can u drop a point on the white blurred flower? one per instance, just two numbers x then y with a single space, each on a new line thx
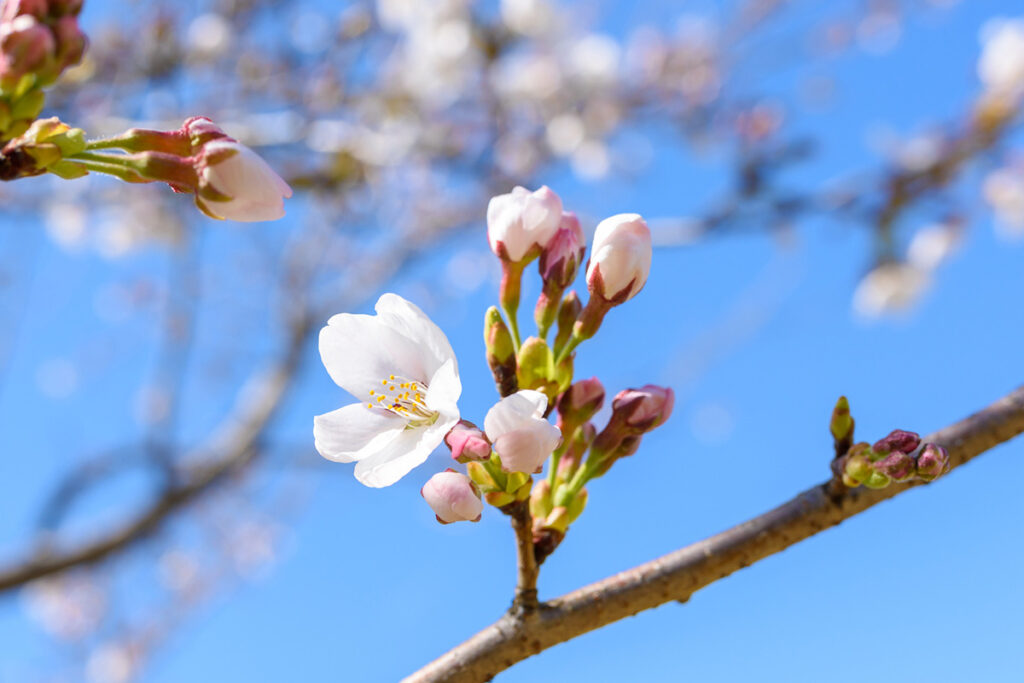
66 224
68 607
890 288
111 663
401 365
1001 64
208 35
594 59
932 245
528 17
1004 191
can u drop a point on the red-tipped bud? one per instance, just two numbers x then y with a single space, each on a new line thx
932 461
897 466
560 259
898 441
643 409
579 403
467 442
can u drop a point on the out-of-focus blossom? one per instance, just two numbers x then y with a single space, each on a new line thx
68 607
519 432
522 221
932 245
890 288
112 662
403 368
209 36
528 17
620 259
453 497
1001 64
1004 191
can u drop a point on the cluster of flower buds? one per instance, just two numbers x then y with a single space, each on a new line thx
43 148
523 226
39 39
533 376
895 458
891 459
228 179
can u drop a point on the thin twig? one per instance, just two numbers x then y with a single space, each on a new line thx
676 576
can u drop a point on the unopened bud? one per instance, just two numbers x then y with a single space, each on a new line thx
580 402
898 441
453 497
645 408
620 259
842 423
562 256
467 442
536 365
521 223
540 500
877 480
857 466
500 351
896 465
932 461
568 312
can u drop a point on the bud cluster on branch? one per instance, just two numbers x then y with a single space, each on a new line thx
403 370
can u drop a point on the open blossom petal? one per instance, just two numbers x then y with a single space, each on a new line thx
398 457
361 350
346 433
401 367
519 432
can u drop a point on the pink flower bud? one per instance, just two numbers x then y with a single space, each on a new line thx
562 256
453 497
898 466
519 432
25 45
71 43
521 222
580 401
236 184
10 9
932 461
467 442
643 409
897 441
620 259
199 130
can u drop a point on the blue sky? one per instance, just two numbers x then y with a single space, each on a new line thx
757 337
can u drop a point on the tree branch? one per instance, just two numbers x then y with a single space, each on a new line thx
230 449
526 561
679 574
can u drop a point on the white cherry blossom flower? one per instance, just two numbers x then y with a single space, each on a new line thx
519 432
400 366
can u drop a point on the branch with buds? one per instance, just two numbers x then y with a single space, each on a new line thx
40 39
